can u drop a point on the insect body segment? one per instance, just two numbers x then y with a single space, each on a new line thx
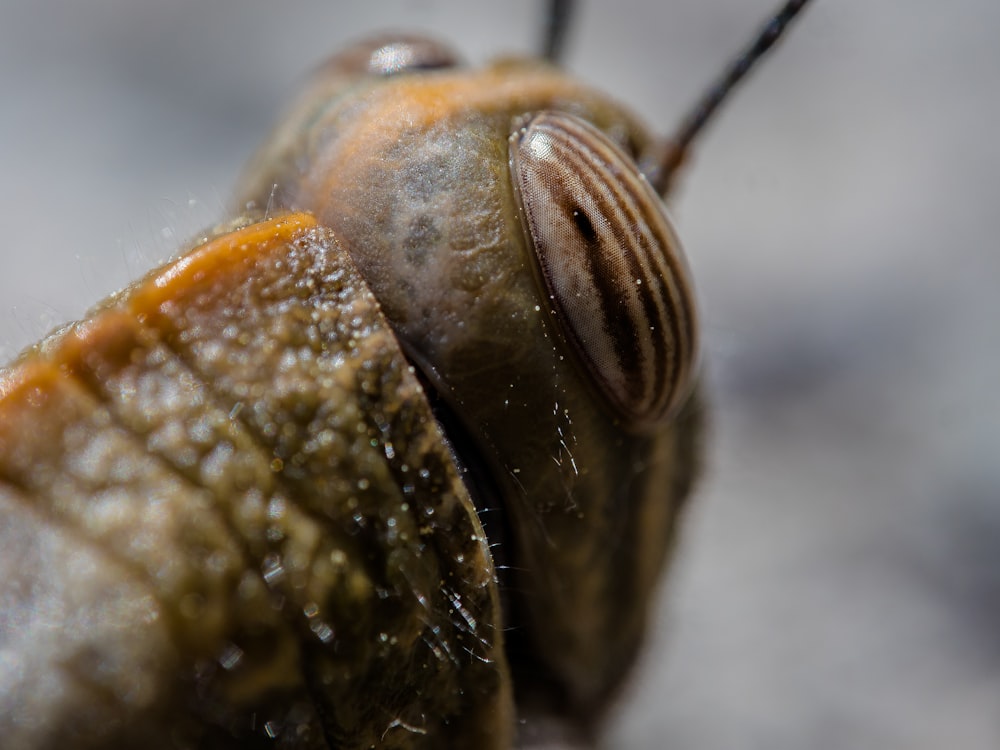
240 439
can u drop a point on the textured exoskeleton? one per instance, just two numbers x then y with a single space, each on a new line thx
395 462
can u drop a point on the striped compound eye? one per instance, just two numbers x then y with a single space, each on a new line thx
612 266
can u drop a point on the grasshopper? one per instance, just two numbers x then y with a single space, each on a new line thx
394 458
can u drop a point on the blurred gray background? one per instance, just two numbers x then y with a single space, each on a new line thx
839 582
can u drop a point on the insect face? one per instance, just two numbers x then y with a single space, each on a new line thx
455 190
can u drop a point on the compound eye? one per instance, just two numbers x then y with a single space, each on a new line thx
612 266
386 56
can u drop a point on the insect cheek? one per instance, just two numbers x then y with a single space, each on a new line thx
611 265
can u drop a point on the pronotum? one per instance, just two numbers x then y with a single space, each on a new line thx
394 458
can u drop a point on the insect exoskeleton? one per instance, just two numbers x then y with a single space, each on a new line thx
233 516
534 279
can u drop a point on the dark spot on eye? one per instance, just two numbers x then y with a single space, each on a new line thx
584 226
632 147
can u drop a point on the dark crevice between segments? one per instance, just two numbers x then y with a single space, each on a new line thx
536 690
39 504
478 479
217 730
166 461
23 497
36 504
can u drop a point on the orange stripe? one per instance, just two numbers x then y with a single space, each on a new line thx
222 255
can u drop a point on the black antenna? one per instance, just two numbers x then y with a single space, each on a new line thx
676 148
556 24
